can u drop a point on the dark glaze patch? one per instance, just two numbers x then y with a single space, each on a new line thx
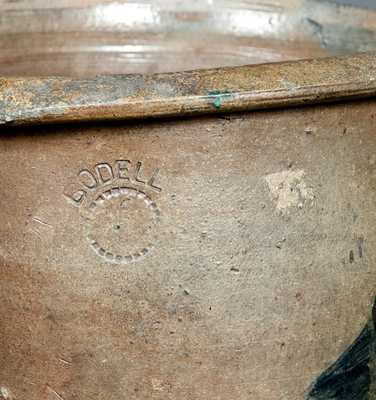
351 376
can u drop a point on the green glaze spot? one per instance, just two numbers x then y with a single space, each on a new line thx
216 97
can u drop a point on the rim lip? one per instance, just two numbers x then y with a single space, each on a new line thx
34 101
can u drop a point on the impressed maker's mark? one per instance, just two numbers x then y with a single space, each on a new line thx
117 206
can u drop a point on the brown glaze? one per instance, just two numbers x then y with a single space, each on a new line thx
249 290
218 257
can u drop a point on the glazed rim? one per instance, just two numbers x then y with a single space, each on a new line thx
25 101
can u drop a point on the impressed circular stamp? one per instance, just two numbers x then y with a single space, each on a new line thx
121 217
122 225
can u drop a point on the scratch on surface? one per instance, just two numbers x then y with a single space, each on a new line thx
289 190
28 380
36 233
39 221
66 362
52 391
